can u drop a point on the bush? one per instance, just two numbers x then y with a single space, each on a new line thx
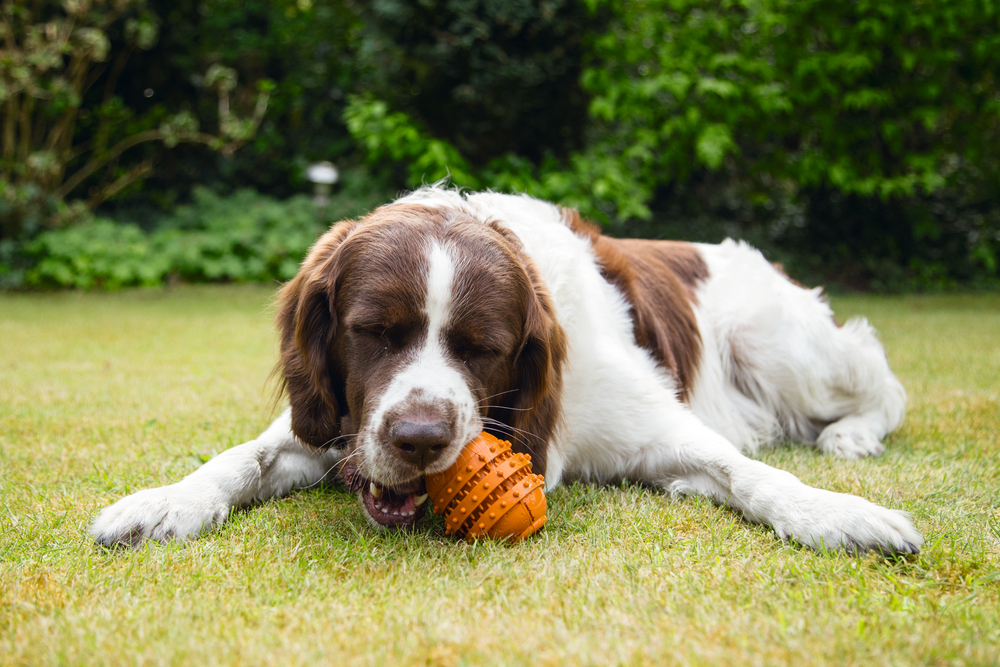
243 237
64 135
856 142
877 124
99 253
870 98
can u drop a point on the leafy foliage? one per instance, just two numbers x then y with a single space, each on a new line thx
489 77
243 237
879 121
870 98
54 54
395 137
856 141
98 253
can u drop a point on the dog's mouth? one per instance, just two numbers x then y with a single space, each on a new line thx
393 507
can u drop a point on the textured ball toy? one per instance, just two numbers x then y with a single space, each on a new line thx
490 490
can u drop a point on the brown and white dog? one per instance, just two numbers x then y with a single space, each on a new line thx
442 314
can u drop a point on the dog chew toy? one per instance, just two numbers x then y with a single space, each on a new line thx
490 490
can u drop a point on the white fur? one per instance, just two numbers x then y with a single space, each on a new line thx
622 417
803 369
269 466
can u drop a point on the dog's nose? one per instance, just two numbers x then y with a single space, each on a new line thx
420 443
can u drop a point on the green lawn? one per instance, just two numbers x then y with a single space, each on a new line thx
104 394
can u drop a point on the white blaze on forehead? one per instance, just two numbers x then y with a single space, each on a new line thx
440 282
431 372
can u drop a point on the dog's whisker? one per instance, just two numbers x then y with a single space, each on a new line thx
512 430
509 391
512 437
345 459
332 441
321 479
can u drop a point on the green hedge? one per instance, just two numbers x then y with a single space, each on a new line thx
860 140
242 237
99 253
856 142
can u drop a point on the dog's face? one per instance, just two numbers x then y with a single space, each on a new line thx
406 334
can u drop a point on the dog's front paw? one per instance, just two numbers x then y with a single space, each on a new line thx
850 439
830 520
167 513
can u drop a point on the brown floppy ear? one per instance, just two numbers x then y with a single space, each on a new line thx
535 404
307 319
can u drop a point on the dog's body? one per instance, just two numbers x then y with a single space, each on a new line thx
441 315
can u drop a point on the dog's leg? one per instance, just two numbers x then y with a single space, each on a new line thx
780 348
684 456
833 385
879 400
830 385
269 466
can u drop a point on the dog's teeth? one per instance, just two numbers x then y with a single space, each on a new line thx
419 500
375 489
384 510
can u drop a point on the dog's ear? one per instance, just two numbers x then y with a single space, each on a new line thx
307 319
535 403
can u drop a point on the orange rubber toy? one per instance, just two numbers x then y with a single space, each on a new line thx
491 491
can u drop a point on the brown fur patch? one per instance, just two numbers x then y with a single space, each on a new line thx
307 321
533 407
658 279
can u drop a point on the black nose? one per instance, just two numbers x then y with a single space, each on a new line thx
420 443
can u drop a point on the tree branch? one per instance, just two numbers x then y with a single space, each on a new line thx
141 170
96 163
116 70
27 107
9 130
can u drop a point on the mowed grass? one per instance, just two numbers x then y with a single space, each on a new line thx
105 394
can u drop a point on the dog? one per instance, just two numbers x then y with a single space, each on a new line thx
443 314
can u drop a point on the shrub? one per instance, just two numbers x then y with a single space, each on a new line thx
870 98
62 134
98 253
857 142
243 237
878 123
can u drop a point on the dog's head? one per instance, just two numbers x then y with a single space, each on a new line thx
407 333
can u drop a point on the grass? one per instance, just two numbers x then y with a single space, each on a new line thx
104 394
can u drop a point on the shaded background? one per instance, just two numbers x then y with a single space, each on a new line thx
856 143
